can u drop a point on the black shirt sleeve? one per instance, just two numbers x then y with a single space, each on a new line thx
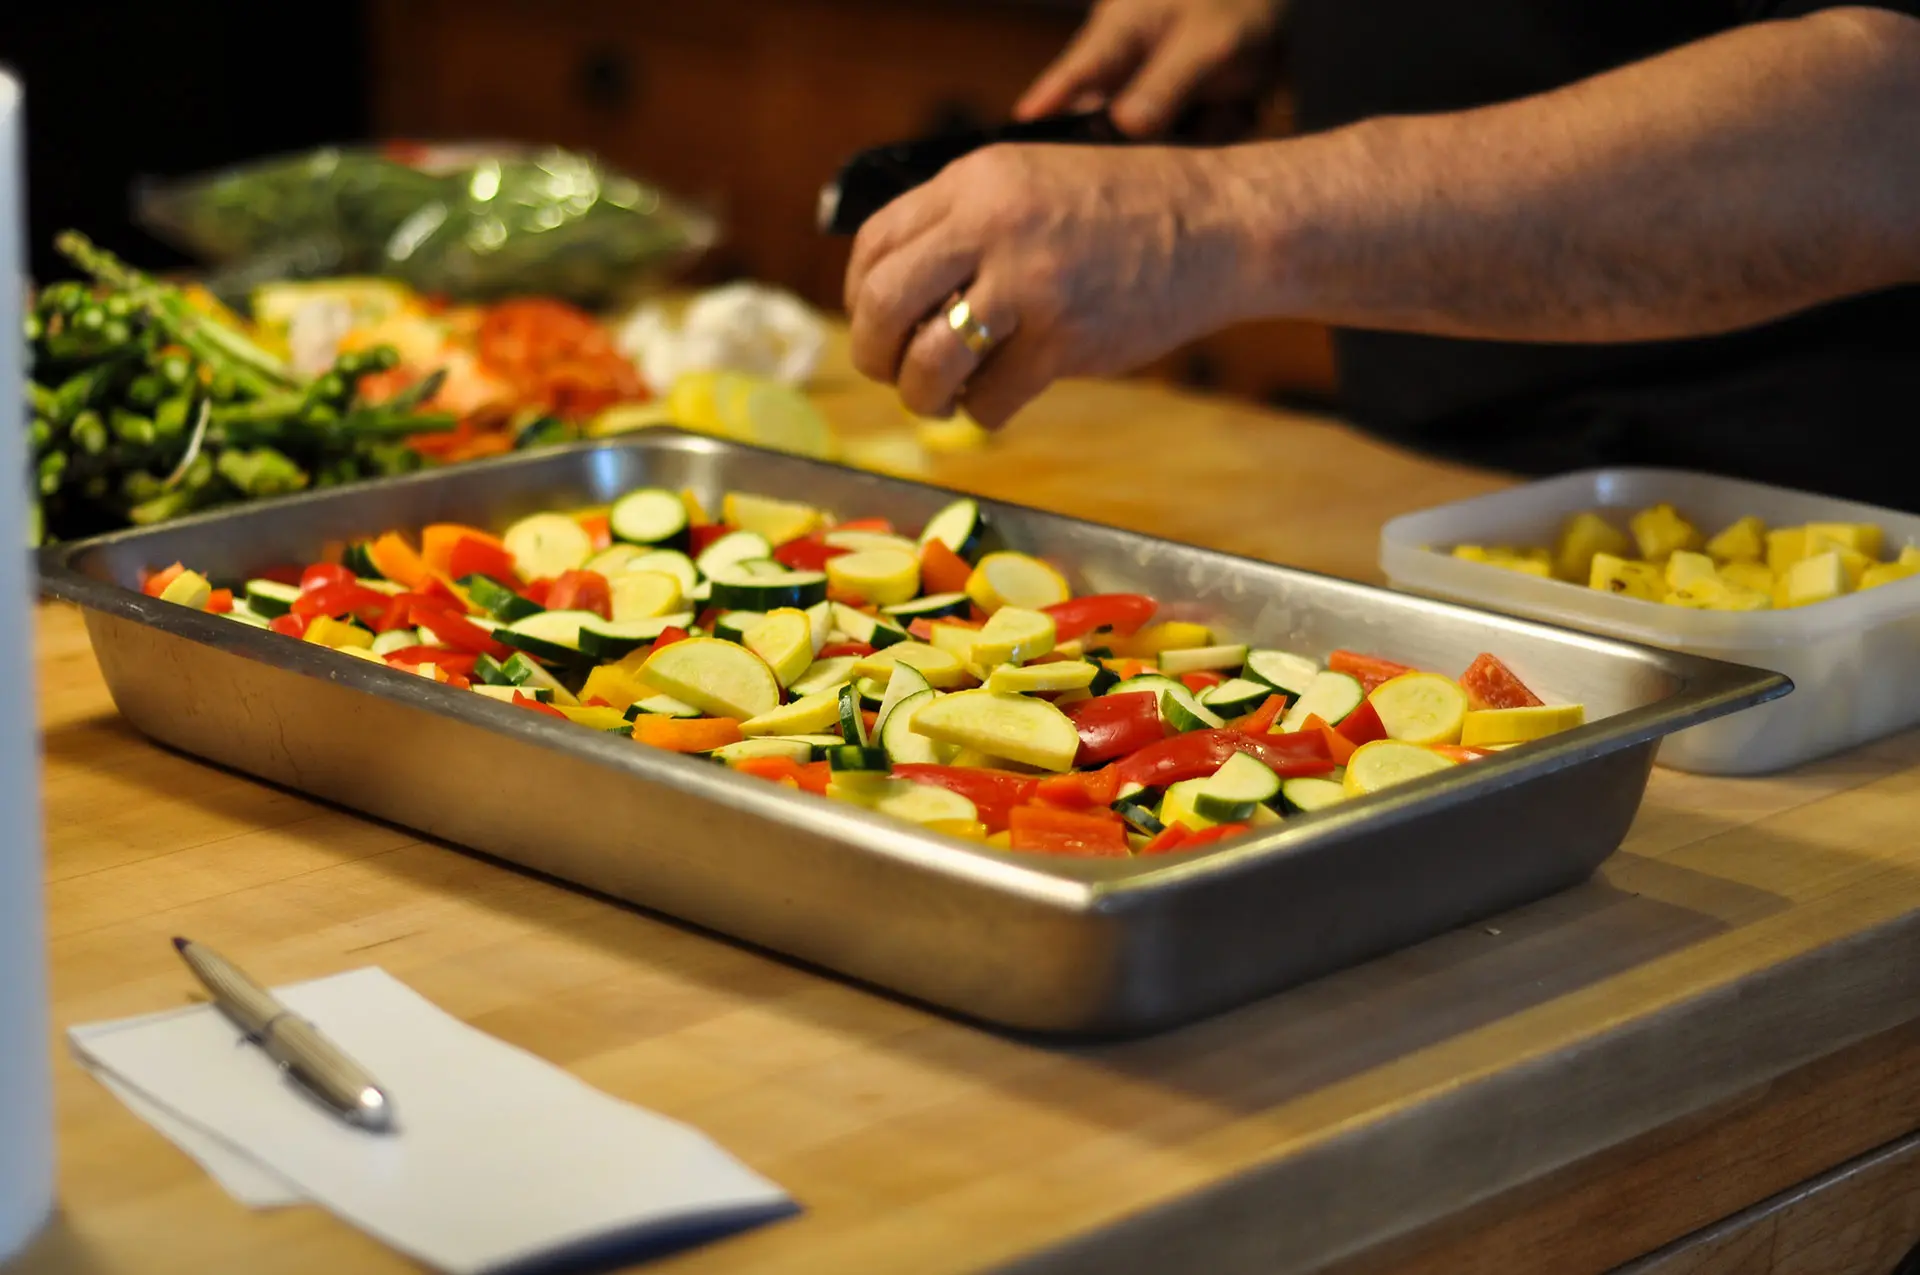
1761 10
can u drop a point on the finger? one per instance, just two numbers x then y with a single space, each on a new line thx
888 231
1182 61
1104 53
899 293
1007 381
938 360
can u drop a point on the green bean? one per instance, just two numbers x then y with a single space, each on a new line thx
131 427
41 432
90 432
52 469
146 390
170 418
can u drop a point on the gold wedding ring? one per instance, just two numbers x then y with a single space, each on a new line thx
974 334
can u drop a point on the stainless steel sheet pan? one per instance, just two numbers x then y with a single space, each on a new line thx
1076 947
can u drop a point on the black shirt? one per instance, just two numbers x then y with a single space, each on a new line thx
1800 402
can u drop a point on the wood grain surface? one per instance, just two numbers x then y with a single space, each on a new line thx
1749 932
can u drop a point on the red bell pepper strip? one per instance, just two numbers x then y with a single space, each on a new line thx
599 529
457 633
321 574
289 625
1201 679
994 793
807 553
1045 830
1170 838
220 601
1370 670
1207 836
942 570
438 656
1199 753
338 600
1261 719
1489 683
538 591
814 777
438 540
1124 613
1080 789
154 585
668 636
398 615
1339 747
774 769
287 574
534 704
582 591
1113 726
1462 752
832 649
698 538
880 525
686 735
1362 725
472 556
846 597
596 702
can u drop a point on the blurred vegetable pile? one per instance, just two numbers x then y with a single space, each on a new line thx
469 222
149 401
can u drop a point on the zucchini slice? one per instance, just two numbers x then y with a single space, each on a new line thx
864 541
605 640
861 627
736 588
927 805
545 545
661 706
1236 696
1012 635
793 748
497 600
1018 580
400 639
1060 675
1308 793
714 676
1282 670
778 520
903 744
1386 762
1232 792
853 726
1203 659
959 526
641 595
784 639
811 714
732 626
1178 706
904 681
270 598
825 675
941 669
530 677
934 606
1017 727
666 561
1330 696
857 757
649 516
734 547
881 576
550 635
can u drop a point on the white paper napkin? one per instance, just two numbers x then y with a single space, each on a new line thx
499 1159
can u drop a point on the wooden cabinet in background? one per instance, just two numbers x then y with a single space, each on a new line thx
750 105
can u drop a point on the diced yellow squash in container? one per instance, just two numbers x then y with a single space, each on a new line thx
1685 566
1471 553
1630 579
1909 556
1744 541
1887 573
1660 531
1757 576
1527 565
1489 727
1585 535
1816 579
1861 537
1855 564
1715 594
1785 546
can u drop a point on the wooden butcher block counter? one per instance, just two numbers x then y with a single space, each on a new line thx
1713 1046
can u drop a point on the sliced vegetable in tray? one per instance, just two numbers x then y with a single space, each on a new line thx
933 677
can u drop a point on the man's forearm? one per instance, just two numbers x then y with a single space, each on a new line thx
1720 185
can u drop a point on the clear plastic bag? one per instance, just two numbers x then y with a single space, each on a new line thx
471 222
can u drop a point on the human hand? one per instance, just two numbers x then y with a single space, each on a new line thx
1148 58
1078 261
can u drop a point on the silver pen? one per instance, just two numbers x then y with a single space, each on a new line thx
293 1042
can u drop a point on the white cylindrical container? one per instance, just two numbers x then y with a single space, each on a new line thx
26 1097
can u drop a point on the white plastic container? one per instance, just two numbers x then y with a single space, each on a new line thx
1854 661
26 1098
